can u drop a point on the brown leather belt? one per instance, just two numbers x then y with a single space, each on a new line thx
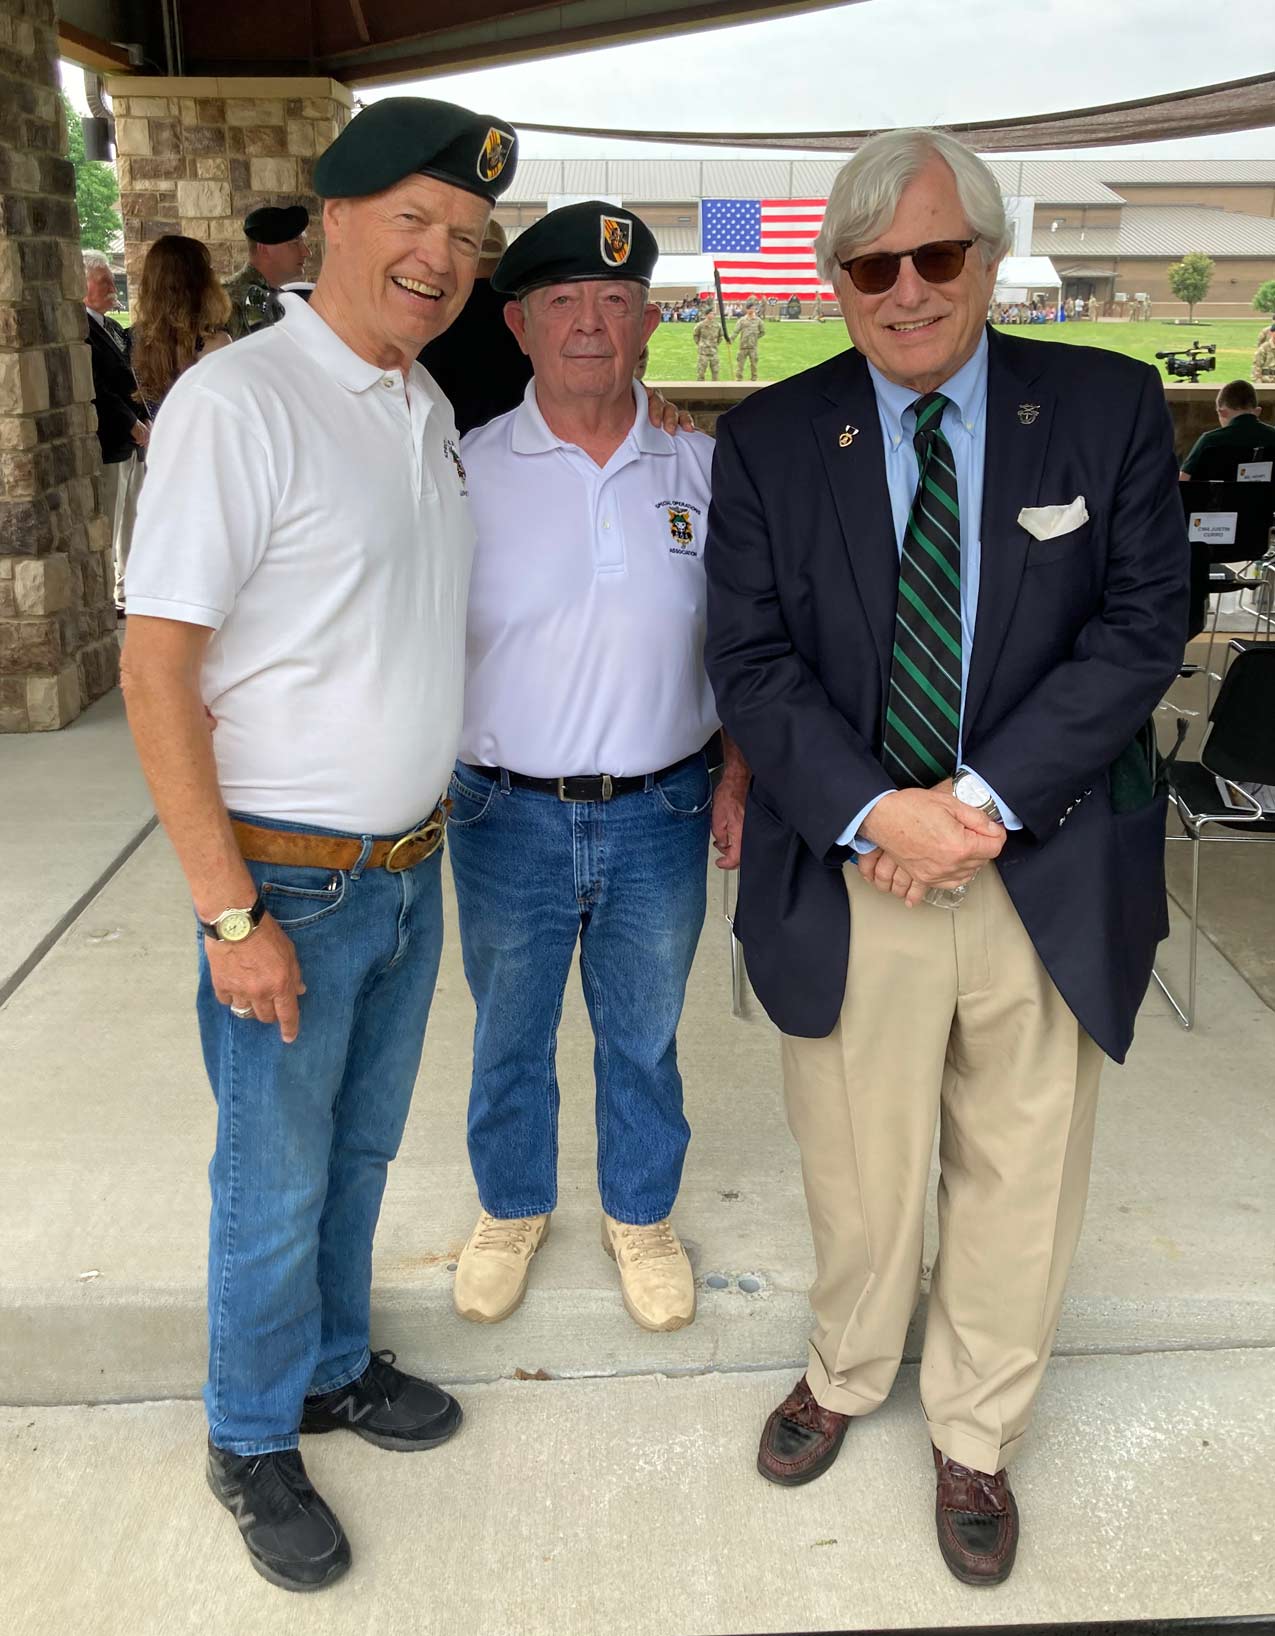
284 846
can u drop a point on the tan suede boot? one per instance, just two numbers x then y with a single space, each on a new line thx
656 1280
491 1275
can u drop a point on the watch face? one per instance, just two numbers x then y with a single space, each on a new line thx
971 790
235 926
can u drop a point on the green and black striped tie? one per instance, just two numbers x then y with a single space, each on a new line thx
923 713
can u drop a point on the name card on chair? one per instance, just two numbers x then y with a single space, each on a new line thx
1213 527
1254 471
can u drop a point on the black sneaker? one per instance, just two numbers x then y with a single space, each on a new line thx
387 1407
293 1538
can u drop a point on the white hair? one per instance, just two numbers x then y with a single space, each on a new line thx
866 194
95 261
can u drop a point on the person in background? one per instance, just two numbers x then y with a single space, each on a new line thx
1239 427
181 315
1264 359
277 250
480 368
123 420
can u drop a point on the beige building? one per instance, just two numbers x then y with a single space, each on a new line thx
1111 227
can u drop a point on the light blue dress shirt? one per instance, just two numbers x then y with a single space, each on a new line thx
964 426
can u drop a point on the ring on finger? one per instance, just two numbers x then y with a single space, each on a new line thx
241 1011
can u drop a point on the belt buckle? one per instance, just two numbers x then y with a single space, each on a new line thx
429 836
606 788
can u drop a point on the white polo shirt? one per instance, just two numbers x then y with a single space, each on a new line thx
585 649
311 510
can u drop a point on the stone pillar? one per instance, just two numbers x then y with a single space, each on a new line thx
58 647
196 155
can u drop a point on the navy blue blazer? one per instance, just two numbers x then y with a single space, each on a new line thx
1076 640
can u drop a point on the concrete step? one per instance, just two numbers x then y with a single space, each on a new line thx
632 1507
109 1123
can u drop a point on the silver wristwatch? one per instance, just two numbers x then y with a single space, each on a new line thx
970 789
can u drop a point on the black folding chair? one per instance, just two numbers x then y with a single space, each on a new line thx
1240 748
1247 507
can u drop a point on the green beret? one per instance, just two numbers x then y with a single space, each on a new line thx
276 224
580 241
411 136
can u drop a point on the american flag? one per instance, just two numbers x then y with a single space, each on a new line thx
763 246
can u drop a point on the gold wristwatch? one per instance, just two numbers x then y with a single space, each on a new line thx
233 925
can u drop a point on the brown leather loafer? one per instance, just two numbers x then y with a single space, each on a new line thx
800 1440
977 1522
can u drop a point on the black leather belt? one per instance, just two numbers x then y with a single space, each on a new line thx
600 786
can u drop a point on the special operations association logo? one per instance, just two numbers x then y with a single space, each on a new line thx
497 146
681 527
617 240
453 454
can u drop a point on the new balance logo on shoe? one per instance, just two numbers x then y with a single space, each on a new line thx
352 1409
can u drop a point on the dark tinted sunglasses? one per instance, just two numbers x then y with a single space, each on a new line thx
937 263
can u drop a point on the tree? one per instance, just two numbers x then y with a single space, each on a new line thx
96 189
1264 300
1189 279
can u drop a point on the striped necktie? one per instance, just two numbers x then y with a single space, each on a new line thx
923 713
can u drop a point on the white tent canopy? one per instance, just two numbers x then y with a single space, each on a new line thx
1019 276
675 272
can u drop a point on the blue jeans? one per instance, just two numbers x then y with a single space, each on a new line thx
625 879
304 1135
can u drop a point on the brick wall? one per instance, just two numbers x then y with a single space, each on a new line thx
196 155
58 648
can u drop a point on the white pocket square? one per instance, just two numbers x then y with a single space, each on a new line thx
1048 522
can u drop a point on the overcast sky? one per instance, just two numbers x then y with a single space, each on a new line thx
886 62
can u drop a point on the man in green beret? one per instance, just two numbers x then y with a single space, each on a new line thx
276 256
583 798
304 580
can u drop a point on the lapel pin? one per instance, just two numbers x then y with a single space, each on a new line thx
1028 413
847 437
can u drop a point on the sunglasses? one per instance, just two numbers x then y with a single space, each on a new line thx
937 263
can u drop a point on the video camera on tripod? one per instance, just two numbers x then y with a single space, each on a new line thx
1189 364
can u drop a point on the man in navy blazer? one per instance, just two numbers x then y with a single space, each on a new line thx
947 587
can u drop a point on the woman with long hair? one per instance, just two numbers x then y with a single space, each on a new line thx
181 313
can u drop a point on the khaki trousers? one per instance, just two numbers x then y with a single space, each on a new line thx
121 485
949 1017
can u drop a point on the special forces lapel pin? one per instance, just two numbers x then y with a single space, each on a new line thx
847 437
1028 413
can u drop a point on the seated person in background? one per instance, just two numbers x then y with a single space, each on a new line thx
182 311
1239 429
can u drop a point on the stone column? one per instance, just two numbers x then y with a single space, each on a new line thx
58 647
196 155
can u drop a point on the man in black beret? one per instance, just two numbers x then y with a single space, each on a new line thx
583 799
276 256
305 580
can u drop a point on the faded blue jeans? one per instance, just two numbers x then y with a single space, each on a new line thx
304 1135
626 880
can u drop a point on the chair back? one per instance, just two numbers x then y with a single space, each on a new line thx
1223 465
1245 513
1241 741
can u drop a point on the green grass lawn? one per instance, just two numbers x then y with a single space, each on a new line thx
789 347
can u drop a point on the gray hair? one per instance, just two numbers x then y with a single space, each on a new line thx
866 194
95 261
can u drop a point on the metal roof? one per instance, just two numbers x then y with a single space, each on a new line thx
1179 172
1164 230
1053 181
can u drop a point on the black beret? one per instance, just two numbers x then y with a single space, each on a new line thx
406 136
579 241
276 224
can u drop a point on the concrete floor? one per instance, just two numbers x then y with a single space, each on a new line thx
635 1507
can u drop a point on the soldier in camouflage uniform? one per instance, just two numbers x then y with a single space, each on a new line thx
276 256
750 329
1264 359
708 336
